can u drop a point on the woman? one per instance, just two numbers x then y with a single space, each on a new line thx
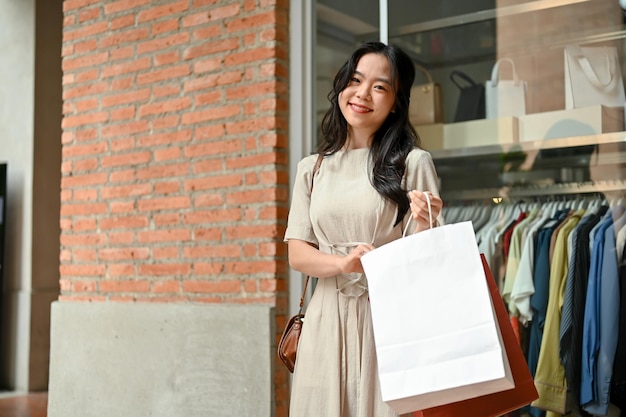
371 182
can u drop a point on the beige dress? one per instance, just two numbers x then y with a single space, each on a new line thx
336 372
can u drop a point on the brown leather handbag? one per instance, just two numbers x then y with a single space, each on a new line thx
288 345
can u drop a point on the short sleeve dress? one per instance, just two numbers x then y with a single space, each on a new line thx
336 372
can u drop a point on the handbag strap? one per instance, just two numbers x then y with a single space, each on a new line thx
584 63
316 168
425 71
464 76
495 72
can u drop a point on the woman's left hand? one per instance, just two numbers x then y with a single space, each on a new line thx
419 209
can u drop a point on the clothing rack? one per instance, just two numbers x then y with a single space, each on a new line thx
509 193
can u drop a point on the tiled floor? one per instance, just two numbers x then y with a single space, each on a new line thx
31 405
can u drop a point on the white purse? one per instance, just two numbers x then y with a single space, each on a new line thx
504 98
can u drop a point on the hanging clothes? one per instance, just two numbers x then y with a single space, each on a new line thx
618 384
571 331
550 376
600 324
552 259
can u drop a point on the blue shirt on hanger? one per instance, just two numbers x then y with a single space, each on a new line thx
600 323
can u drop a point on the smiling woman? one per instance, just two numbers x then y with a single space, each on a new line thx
367 99
371 183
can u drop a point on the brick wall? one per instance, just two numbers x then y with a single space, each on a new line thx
174 173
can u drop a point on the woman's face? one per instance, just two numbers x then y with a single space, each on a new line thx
369 97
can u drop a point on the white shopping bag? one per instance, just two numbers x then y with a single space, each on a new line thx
504 98
436 334
593 77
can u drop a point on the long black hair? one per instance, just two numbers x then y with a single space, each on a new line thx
395 138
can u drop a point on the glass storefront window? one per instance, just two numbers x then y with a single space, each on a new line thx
531 120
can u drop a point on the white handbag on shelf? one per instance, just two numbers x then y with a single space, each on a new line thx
437 338
504 98
593 77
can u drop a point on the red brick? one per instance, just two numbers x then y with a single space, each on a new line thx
126 67
162 11
206 65
224 112
124 286
121 37
134 96
166 286
164 74
164 171
84 179
163 203
168 187
159 123
167 58
202 268
168 252
88 270
173 105
134 158
85 31
121 270
255 21
164 269
81 255
121 238
88 14
125 191
125 113
125 128
165 26
213 234
122 22
166 219
124 222
83 150
84 119
167 154
208 183
166 90
165 138
123 254
84 90
86 46
69 5
84 286
162 43
212 47
212 287
122 144
212 216
122 5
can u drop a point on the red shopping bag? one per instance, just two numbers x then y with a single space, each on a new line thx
499 403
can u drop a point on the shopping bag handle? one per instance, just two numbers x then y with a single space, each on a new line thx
495 72
430 216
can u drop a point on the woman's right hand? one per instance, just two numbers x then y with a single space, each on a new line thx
352 262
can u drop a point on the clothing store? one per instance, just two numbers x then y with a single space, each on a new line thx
521 105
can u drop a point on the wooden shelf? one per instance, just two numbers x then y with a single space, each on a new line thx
570 142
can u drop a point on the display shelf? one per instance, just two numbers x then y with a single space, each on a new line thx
572 165
569 142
